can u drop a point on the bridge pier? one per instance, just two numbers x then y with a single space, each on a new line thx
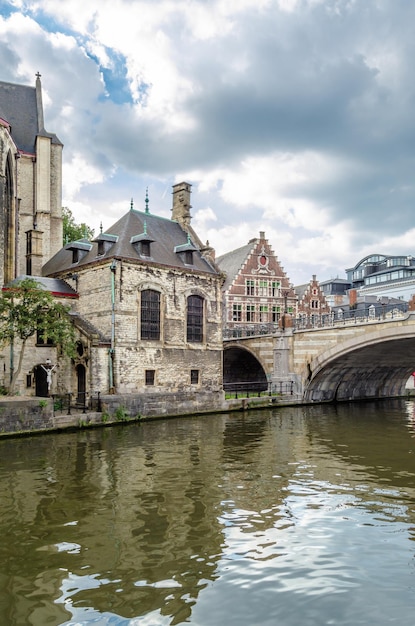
281 376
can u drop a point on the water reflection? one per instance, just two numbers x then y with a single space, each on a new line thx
298 514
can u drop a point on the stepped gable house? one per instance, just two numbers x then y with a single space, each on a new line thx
30 183
312 303
154 297
256 290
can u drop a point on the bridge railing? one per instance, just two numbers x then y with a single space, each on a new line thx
375 313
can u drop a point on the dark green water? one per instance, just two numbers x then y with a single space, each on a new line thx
296 516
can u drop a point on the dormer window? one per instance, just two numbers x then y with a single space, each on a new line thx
105 243
142 243
145 248
79 249
186 251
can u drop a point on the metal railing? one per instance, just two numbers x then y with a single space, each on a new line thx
251 389
68 403
327 320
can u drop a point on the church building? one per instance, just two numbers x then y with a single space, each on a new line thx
30 183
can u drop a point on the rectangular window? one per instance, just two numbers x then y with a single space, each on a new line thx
250 313
145 248
263 313
263 288
150 314
237 312
194 319
314 304
275 287
194 377
150 377
275 313
250 287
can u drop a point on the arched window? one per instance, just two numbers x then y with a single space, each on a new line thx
194 319
150 314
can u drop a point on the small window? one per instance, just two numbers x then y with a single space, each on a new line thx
188 257
237 313
145 248
250 287
250 313
276 313
150 376
194 377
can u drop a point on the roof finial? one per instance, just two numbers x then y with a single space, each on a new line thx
100 228
147 211
132 204
38 75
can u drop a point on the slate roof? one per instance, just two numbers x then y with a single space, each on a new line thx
19 108
55 286
164 234
232 262
301 289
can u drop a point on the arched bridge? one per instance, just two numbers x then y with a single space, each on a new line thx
350 360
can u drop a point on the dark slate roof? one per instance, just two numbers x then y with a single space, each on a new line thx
164 234
232 262
55 286
19 107
301 289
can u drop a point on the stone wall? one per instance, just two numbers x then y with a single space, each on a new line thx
20 416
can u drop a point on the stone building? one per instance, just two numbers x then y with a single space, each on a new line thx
149 305
312 304
30 183
256 290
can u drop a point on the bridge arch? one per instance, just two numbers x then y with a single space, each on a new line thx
242 369
375 365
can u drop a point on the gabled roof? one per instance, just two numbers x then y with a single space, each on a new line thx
165 236
232 261
21 107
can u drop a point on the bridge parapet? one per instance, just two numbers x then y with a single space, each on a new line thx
307 355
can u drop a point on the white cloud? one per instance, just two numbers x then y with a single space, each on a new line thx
289 116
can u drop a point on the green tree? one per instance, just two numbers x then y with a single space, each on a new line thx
73 231
26 309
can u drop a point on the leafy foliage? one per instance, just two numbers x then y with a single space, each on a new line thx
26 309
73 231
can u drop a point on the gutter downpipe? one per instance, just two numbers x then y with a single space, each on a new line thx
111 353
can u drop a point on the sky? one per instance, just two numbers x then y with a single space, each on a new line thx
292 117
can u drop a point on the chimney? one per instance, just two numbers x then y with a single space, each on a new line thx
181 204
352 297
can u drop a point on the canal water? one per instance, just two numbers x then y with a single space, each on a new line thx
291 516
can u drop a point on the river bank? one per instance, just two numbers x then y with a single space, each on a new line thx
21 416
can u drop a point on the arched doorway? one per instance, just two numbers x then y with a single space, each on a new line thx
41 381
81 384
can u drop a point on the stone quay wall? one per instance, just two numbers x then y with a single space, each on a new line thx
29 416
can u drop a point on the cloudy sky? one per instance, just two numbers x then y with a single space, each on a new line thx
293 117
